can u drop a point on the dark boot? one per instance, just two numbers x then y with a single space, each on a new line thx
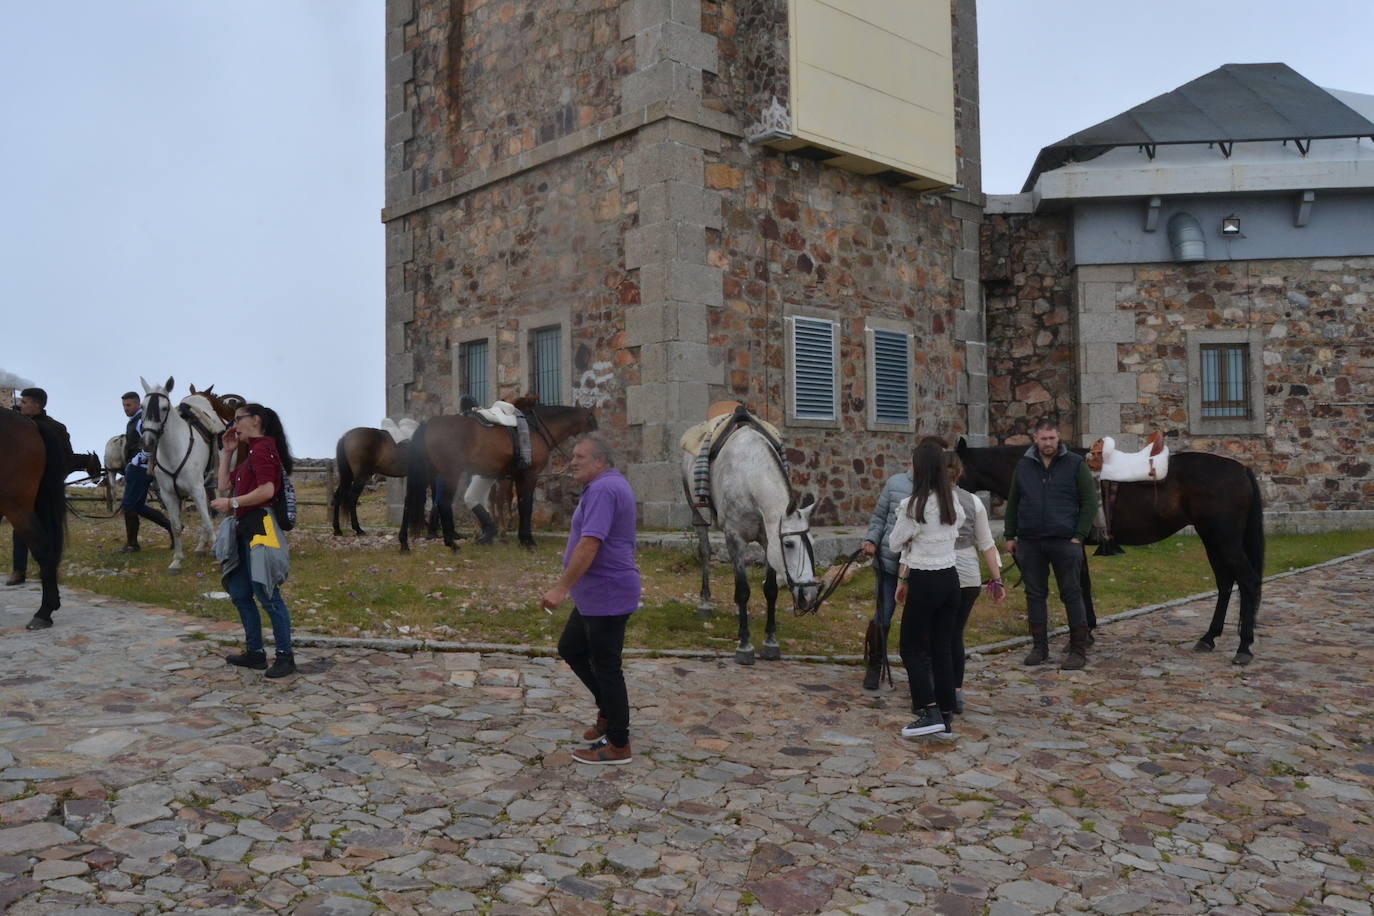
1040 645
875 654
130 533
255 660
157 518
1077 656
488 526
285 664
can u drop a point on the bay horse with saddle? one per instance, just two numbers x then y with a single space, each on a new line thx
450 446
1217 495
34 462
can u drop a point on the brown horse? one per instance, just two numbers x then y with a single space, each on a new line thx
1218 496
33 496
362 452
452 445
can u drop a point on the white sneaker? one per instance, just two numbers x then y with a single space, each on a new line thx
927 723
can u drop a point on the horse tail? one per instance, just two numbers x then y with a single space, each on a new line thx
1253 539
419 478
50 504
342 469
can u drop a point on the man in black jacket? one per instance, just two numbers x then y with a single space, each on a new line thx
1050 510
33 403
136 476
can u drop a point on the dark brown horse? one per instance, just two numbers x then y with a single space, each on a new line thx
362 452
1218 496
452 445
33 496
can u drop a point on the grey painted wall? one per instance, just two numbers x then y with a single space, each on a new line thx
1339 225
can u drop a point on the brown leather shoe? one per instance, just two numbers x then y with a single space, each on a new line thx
597 731
605 753
16 578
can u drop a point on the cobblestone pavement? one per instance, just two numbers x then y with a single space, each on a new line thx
139 774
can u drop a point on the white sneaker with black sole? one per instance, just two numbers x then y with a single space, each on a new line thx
927 723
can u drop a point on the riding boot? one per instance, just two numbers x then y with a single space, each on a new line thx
488 526
1077 656
1040 645
875 652
130 532
157 518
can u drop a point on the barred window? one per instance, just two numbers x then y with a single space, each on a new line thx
1225 380
814 347
891 377
546 364
473 356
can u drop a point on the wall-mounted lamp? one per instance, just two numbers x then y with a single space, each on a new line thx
1230 226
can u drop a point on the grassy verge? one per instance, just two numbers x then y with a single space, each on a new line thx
364 586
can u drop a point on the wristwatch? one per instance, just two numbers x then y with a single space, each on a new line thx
234 502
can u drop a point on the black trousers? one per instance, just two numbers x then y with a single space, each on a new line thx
929 618
1035 557
967 598
591 645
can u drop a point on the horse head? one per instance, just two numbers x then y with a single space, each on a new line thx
796 559
976 476
157 406
92 467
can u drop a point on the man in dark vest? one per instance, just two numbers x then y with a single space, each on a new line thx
33 403
137 477
1050 510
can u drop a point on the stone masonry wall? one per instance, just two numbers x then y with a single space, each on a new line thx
1030 330
823 239
1317 326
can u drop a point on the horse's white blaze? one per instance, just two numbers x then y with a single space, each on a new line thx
179 449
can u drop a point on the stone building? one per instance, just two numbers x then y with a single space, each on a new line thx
648 205
1202 264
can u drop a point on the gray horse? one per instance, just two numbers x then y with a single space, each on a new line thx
754 504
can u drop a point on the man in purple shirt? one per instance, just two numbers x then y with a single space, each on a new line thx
599 572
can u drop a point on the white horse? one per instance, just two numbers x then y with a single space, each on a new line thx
754 504
182 454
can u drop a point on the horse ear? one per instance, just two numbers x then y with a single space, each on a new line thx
808 504
791 506
146 387
170 382
961 446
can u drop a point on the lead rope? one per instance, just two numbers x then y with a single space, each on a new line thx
835 582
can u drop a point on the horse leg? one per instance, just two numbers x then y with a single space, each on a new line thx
1085 580
334 509
1232 567
704 607
28 529
446 521
1250 583
1221 571
744 654
771 652
173 507
525 496
354 494
207 524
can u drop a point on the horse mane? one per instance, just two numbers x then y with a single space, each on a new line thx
222 408
527 402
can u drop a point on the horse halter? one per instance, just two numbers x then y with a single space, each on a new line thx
153 414
802 531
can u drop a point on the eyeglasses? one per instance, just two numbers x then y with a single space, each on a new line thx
242 416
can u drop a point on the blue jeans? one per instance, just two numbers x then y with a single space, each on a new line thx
884 594
242 591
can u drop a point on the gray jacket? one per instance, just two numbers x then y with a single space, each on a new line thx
269 563
897 488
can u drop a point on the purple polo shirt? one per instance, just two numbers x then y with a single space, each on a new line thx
610 586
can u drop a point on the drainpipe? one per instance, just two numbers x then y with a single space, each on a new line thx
1186 239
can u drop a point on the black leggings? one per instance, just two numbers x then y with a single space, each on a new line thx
929 619
967 597
591 646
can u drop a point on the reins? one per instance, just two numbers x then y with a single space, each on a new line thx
835 582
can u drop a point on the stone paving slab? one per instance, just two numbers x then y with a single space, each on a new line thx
140 774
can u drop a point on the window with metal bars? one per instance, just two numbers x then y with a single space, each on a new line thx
891 377
813 368
1225 380
546 364
473 355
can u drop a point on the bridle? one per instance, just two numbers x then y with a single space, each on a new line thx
803 532
153 412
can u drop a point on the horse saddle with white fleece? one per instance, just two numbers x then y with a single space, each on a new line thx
705 439
1150 464
398 431
500 413
504 413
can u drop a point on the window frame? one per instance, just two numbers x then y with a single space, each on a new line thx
540 321
1252 425
809 315
473 335
872 326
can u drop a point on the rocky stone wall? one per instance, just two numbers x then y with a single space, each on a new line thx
1028 292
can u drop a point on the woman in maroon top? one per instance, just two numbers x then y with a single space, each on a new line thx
254 483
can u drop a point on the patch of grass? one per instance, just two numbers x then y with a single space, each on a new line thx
364 586
1355 863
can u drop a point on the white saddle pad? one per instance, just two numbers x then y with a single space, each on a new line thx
1129 467
502 413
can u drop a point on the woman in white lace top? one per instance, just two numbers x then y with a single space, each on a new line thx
928 589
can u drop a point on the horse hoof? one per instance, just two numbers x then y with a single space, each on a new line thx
1204 645
1242 658
484 539
358 532
770 653
338 533
38 623
528 545
705 611
744 656
405 549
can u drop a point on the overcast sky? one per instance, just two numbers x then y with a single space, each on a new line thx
192 188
